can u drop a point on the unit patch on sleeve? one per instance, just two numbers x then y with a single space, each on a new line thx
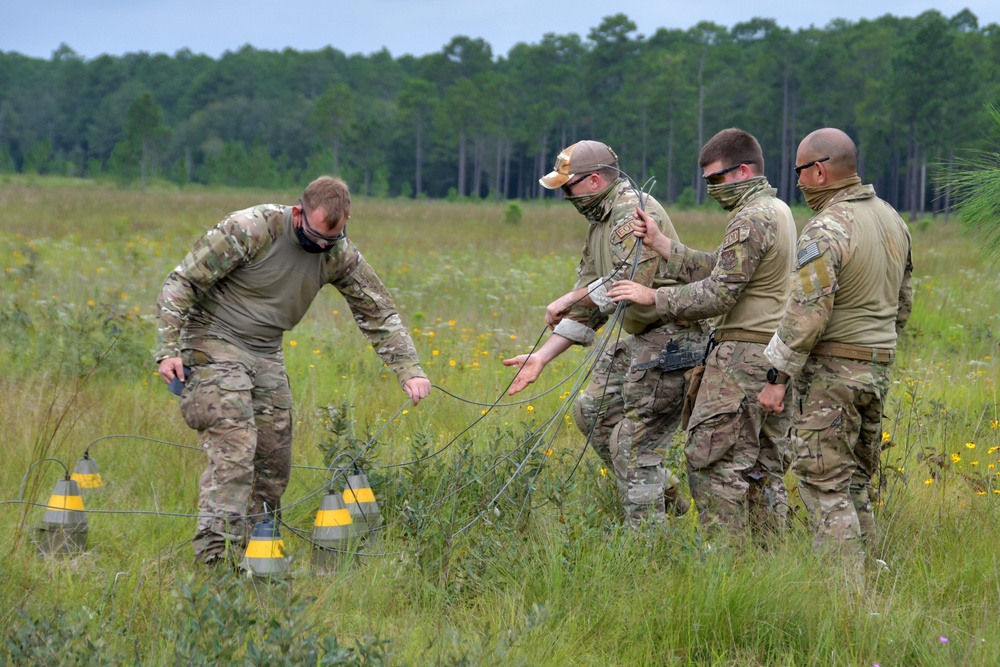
624 230
728 259
736 236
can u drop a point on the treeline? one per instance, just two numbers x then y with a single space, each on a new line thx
464 123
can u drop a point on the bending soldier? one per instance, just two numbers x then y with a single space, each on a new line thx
632 405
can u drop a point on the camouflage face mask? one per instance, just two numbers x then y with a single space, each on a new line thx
729 195
595 206
818 196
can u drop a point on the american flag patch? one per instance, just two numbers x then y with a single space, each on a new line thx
807 254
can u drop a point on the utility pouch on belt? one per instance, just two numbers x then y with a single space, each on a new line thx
693 378
672 358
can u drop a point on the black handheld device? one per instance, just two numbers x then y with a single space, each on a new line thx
176 385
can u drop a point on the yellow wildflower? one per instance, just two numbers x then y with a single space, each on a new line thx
970 445
886 436
292 343
929 480
955 458
604 472
452 362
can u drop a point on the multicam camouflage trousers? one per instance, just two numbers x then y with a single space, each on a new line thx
838 438
737 455
241 406
629 414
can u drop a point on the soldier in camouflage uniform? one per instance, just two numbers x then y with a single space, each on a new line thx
222 313
632 405
736 454
850 297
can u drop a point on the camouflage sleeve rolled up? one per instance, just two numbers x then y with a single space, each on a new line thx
736 259
821 250
905 306
375 314
687 265
222 249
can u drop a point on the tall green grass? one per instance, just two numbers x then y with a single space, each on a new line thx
472 569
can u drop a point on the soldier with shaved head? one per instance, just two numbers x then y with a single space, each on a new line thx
851 296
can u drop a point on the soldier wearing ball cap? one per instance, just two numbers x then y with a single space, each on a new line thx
632 405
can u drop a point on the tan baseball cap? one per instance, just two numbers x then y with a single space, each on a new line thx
583 157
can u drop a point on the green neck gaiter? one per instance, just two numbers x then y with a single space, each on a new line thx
729 195
596 206
818 196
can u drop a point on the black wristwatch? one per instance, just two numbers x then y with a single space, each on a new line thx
774 377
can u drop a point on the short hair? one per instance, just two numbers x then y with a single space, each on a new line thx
609 173
331 194
733 146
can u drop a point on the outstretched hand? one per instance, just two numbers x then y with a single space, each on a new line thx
529 368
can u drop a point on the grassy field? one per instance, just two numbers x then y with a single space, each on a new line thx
498 549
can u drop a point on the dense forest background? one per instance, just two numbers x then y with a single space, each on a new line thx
465 122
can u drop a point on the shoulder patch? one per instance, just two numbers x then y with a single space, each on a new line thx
807 254
735 236
728 260
624 230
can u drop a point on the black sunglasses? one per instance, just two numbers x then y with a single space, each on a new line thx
799 168
717 177
579 180
313 232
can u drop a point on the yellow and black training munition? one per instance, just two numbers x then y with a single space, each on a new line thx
86 474
265 555
360 501
63 530
334 533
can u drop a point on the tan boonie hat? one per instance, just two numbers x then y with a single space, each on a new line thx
583 157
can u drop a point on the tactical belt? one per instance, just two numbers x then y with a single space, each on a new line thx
672 358
741 336
879 355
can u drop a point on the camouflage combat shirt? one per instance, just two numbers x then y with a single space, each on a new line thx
248 280
609 255
744 283
851 283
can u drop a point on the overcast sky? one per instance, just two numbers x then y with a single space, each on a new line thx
94 27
